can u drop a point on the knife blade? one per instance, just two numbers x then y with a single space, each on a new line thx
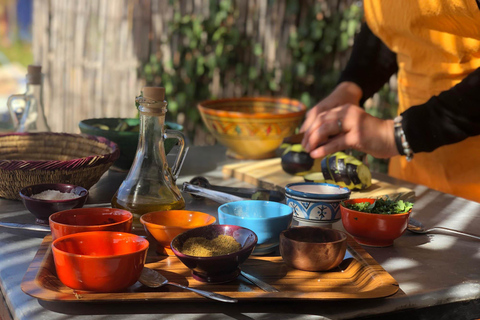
259 283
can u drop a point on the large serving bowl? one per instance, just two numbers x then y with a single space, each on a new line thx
313 248
216 269
373 229
252 128
316 202
163 226
99 261
42 209
126 136
72 221
266 218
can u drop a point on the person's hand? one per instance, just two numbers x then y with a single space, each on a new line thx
349 126
344 93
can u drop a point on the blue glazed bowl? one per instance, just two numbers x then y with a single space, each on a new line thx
315 202
266 218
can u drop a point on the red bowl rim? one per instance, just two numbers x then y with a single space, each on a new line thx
130 217
370 213
145 245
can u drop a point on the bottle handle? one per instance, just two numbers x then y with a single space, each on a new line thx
10 107
177 165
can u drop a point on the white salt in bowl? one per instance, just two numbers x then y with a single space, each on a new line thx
315 202
42 200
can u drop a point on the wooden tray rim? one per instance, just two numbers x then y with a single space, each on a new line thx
32 286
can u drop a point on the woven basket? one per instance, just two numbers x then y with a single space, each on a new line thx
46 157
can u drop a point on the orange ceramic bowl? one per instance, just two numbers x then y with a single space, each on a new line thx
163 226
252 128
372 229
72 221
100 261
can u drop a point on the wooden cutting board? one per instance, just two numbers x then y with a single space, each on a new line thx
270 175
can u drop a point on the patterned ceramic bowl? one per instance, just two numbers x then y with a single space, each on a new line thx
316 202
252 128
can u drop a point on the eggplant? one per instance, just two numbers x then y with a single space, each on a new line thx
346 171
314 177
296 160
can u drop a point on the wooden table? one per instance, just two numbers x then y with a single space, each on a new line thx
439 275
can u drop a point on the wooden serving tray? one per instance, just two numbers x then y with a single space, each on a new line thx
359 276
270 175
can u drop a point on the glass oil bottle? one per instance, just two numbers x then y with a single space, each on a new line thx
33 118
150 183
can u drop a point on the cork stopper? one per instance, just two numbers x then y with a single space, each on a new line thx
34 75
154 93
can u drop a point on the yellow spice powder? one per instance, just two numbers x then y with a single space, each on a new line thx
203 247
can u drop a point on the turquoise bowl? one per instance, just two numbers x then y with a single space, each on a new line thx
266 218
127 141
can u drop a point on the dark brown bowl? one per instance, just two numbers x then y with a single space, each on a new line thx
313 248
42 209
216 269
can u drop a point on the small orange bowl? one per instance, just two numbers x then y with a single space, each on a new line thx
163 226
72 221
99 261
373 229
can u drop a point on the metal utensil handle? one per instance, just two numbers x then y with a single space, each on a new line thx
259 283
24 226
217 196
461 233
207 294
182 153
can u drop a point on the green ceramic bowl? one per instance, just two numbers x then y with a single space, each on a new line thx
127 140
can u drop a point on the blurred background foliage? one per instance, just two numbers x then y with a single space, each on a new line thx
211 51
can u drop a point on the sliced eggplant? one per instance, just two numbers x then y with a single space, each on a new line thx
296 161
314 177
346 171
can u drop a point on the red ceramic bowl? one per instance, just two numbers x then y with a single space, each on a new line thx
42 209
72 221
216 269
163 226
100 261
372 229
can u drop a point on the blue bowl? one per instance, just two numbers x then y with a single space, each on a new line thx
266 218
315 202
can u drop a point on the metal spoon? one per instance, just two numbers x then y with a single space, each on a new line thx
153 279
417 227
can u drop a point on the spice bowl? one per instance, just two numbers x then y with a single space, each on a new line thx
99 261
266 218
217 268
72 221
313 248
163 226
315 203
373 229
42 200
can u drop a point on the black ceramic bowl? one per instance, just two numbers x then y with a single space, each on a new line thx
42 209
216 269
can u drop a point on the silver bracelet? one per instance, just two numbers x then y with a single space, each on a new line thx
401 140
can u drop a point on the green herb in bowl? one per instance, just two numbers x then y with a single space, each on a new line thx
381 206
